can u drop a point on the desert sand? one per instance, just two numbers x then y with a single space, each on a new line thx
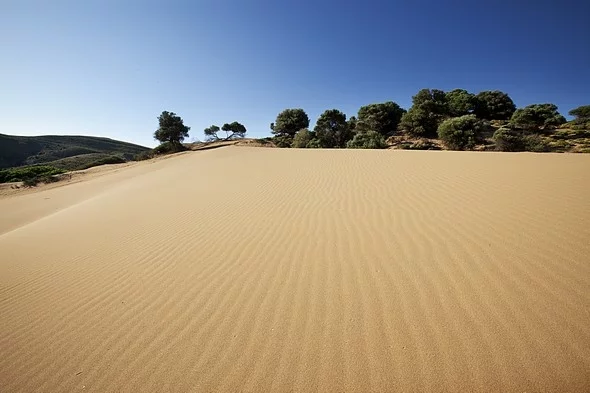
250 269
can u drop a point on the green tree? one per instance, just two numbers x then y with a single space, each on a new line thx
172 129
534 117
290 121
429 109
332 130
367 140
237 130
461 133
211 132
581 114
302 138
419 122
460 102
493 105
382 118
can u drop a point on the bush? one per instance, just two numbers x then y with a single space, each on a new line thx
367 140
421 144
534 117
105 161
31 182
302 138
30 172
508 140
461 133
314 144
168 148
535 143
283 140
144 155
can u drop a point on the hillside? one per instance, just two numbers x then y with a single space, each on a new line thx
65 152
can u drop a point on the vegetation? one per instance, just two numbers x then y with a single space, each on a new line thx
581 114
461 133
383 118
29 174
303 138
172 130
66 152
332 130
493 105
236 129
535 117
288 122
367 140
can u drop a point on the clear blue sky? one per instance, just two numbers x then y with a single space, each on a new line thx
109 68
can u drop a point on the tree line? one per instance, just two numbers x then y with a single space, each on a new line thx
458 118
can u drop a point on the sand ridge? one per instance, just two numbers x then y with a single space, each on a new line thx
249 269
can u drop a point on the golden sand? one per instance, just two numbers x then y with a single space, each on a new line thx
248 269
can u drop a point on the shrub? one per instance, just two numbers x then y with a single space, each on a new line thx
508 140
314 144
30 172
144 155
283 140
420 144
168 147
461 133
535 143
302 138
367 140
31 182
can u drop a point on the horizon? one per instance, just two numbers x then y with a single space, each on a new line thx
109 69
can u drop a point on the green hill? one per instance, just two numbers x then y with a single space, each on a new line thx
64 152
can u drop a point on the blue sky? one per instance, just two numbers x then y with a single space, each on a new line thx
109 68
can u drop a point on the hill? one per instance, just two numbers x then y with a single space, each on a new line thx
64 151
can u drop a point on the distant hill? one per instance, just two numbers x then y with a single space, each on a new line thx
64 152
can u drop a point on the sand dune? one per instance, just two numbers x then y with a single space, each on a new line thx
245 269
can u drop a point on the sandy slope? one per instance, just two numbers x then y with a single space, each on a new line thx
245 269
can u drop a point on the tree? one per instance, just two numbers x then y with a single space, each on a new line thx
302 138
534 117
460 133
290 121
382 118
460 102
237 130
433 101
429 108
367 140
420 123
172 129
332 130
211 132
581 114
493 105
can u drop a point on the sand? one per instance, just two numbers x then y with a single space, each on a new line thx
249 269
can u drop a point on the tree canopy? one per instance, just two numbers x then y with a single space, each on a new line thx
460 102
332 130
429 108
493 105
290 121
302 138
382 118
460 133
211 132
367 140
537 116
237 130
581 113
172 129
